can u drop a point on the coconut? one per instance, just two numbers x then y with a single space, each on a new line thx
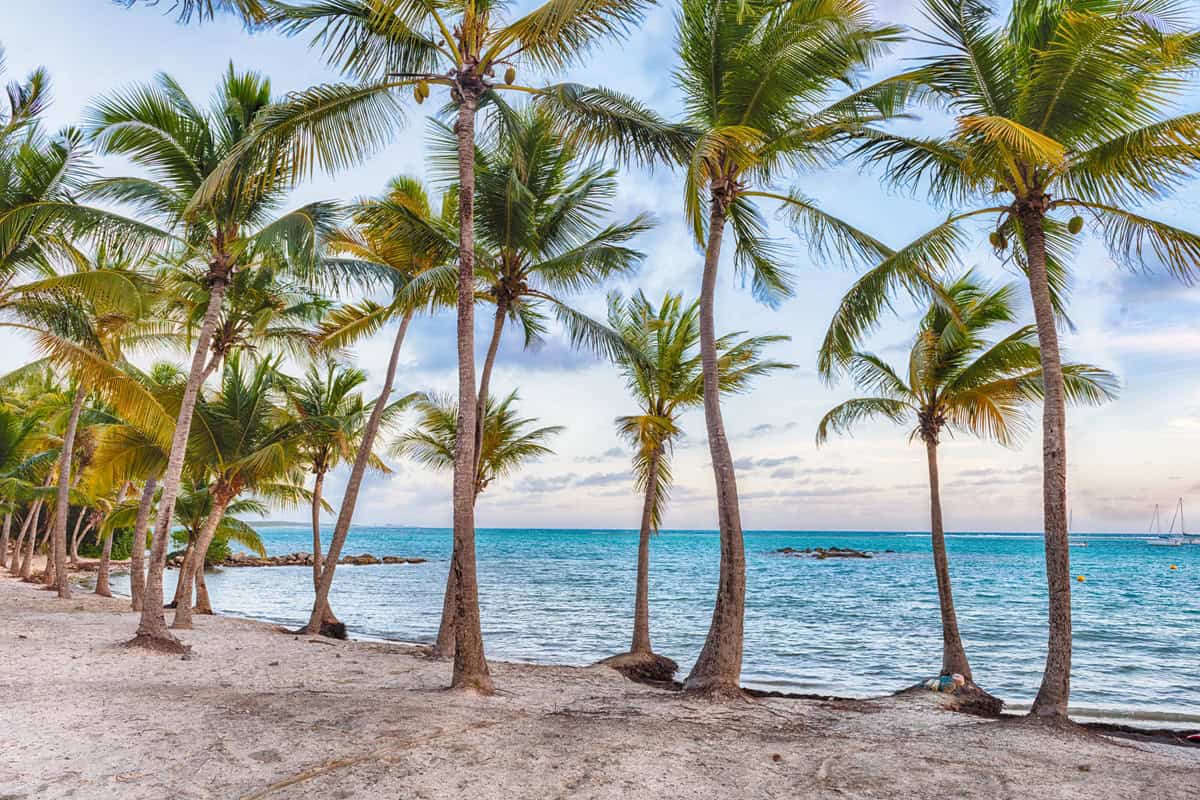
1075 225
510 75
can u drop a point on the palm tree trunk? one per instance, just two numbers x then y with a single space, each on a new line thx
184 568
4 539
102 575
718 670
641 604
26 569
203 601
350 497
470 665
444 648
77 533
1052 696
192 567
954 656
15 564
152 629
328 617
63 502
137 553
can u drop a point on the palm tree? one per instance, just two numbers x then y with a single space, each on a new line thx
758 80
331 412
662 368
961 380
391 245
17 437
1062 109
395 45
539 236
252 12
508 439
181 147
504 443
85 330
244 441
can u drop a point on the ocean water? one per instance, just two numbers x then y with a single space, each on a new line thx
841 626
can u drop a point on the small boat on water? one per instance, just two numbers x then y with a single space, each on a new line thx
1170 539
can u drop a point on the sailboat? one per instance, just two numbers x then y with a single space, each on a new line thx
1171 540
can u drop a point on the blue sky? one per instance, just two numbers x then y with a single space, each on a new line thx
1123 458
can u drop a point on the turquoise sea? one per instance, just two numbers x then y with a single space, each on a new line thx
845 627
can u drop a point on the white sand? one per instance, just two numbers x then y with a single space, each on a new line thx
256 713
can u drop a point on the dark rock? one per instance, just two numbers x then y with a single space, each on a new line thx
823 552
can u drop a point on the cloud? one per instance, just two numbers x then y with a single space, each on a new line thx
556 483
610 453
783 473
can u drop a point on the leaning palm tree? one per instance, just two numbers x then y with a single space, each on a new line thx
960 379
1064 113
397 241
251 12
662 368
402 45
758 80
236 229
244 441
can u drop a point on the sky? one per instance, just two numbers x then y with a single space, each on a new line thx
1123 457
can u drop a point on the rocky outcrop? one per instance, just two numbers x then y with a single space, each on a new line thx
301 560
823 552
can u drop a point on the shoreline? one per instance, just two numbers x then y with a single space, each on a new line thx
255 713
1149 719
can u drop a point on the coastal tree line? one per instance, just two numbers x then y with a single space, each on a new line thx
1062 120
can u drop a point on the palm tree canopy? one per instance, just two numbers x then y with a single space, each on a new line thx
1065 108
508 439
761 83
959 377
662 369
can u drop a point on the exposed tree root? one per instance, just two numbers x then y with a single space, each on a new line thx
330 630
158 644
648 668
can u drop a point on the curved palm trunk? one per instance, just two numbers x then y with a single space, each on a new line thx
152 629
77 533
27 525
1052 696
25 571
41 541
718 670
954 656
137 553
328 617
350 497
184 568
470 665
641 603
203 602
102 576
62 503
195 565
4 539
444 648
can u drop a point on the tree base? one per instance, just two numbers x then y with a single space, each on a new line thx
330 630
715 690
475 684
969 699
167 645
648 668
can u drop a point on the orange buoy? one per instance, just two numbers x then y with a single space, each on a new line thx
1174 567
1080 578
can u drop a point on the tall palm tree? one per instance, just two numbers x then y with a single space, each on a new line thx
18 433
960 379
662 367
331 411
403 45
237 228
539 214
758 81
396 241
244 441
1063 109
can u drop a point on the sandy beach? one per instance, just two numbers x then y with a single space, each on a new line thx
253 712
